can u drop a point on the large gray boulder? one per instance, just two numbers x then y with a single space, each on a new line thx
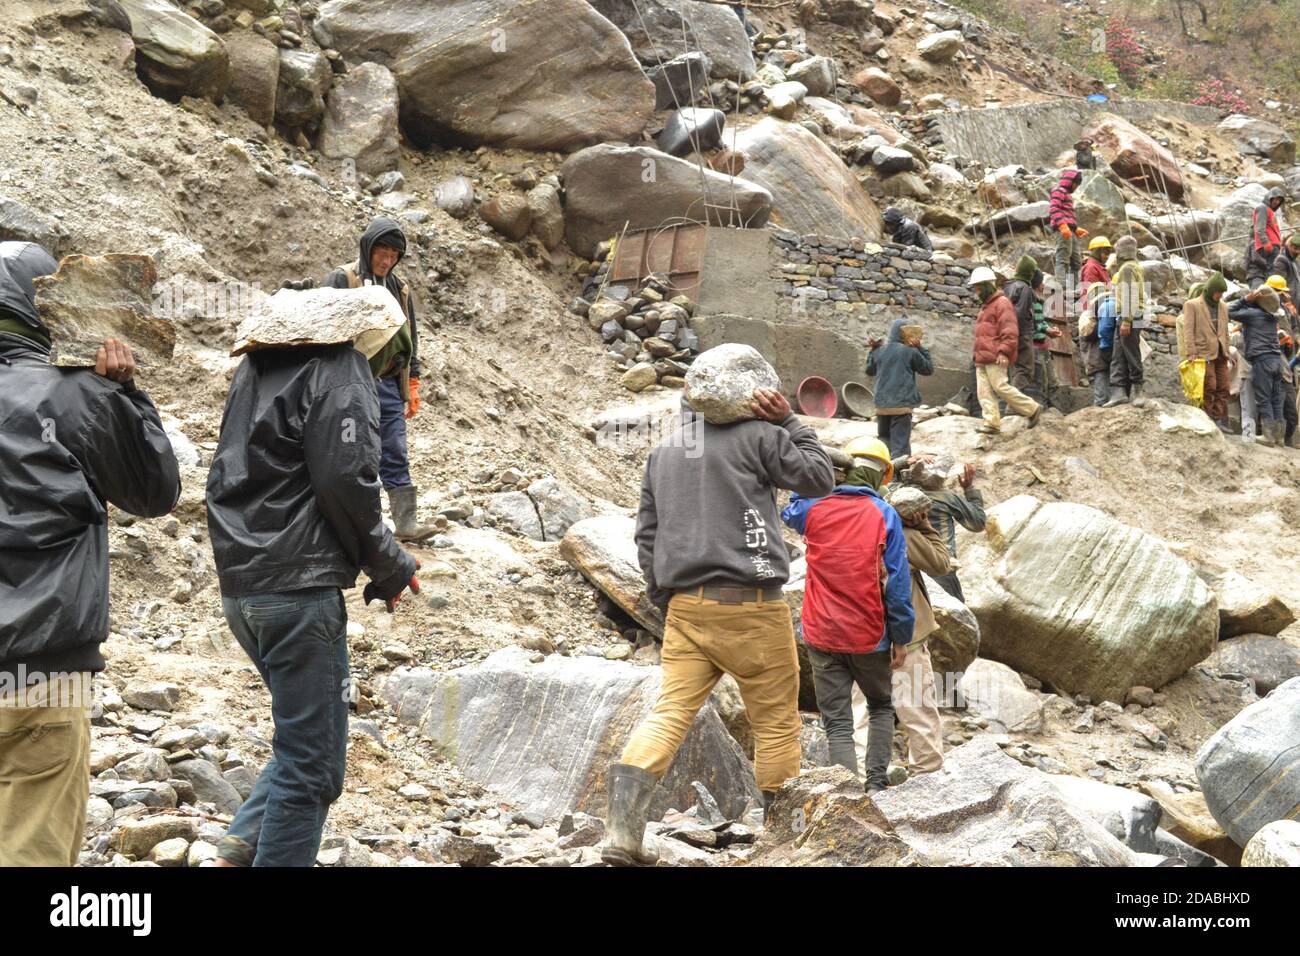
660 30
300 93
543 735
1246 607
603 549
208 783
254 75
680 80
1259 137
532 74
1249 770
817 73
176 54
361 119
957 641
996 693
558 506
1090 605
813 192
1129 816
987 809
721 382
1276 844
606 186
1267 660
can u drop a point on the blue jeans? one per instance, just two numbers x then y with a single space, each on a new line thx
298 642
394 471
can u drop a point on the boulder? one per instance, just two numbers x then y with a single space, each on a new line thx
455 196
606 186
721 382
813 192
530 74
208 783
954 646
1157 273
93 298
156 695
547 214
1186 228
1100 203
558 506
1259 137
1128 815
987 809
363 316
1135 156
1275 844
1249 770
1186 817
361 119
906 186
658 29
942 46
1088 604
509 214
300 94
822 818
254 75
680 80
515 511
1002 188
1267 660
879 85
1020 217
892 159
136 838
817 73
1245 607
692 130
1187 420
543 735
996 693
848 121
603 549
176 55
20 223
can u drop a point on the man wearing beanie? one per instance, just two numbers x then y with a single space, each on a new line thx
1258 317
1020 291
1131 300
1202 331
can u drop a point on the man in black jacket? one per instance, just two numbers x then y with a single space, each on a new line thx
71 440
1257 314
904 231
294 515
382 246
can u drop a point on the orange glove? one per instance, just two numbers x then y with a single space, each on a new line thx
1065 231
1080 232
413 402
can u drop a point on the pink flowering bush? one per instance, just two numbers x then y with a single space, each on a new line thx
1216 93
1124 51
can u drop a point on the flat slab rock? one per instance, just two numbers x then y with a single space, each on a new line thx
93 298
604 550
364 316
543 735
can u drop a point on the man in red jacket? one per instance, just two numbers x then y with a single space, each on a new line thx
1265 239
1094 268
997 340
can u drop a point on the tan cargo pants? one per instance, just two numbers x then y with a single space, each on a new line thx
45 772
917 708
754 643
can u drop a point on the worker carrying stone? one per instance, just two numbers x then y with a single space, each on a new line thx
895 365
73 441
904 231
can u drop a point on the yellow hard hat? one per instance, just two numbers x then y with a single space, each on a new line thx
1276 282
1099 242
865 446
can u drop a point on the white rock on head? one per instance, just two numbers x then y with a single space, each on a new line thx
721 382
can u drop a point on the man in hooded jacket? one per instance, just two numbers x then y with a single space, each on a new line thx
382 247
1020 290
895 365
73 440
1265 239
1061 218
294 516
1257 314
1126 370
997 342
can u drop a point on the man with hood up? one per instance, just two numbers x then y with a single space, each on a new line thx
895 364
1126 372
294 515
382 246
73 439
1202 331
1257 314
1061 218
1265 238
904 231
1020 290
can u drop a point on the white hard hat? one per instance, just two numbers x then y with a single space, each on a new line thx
982 274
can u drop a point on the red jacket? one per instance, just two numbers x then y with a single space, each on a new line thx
1092 271
996 331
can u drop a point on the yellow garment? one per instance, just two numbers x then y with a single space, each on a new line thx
754 643
1192 373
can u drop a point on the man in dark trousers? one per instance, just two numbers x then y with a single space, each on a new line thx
71 441
382 246
709 543
904 231
294 516
1265 239
895 365
1020 290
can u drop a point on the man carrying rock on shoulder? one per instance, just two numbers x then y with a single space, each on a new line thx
709 544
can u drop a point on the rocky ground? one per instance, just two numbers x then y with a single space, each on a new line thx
507 453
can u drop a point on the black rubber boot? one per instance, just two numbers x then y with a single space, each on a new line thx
401 502
1117 397
630 789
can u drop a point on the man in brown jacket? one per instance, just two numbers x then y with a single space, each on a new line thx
1202 331
914 697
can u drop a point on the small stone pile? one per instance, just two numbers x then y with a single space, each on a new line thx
648 331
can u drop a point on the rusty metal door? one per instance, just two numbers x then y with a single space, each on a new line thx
675 252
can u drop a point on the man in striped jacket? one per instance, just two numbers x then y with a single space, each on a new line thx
1061 218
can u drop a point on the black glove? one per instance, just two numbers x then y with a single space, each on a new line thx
390 589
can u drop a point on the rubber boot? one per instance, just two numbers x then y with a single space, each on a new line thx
1038 413
1117 397
401 502
1222 425
630 789
1294 441
1279 433
1135 396
1266 431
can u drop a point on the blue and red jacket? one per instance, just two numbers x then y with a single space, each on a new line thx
858 593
